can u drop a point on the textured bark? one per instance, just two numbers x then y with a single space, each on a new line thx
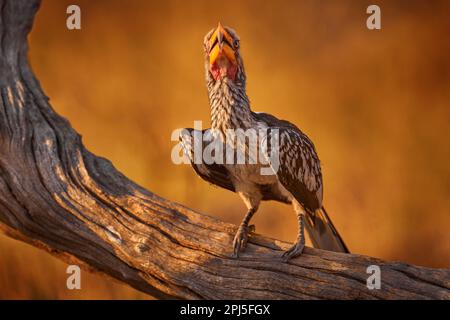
56 195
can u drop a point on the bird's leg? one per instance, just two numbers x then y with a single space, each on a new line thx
299 245
241 237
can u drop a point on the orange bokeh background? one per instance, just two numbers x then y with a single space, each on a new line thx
376 104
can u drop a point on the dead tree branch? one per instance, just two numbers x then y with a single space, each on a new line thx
56 195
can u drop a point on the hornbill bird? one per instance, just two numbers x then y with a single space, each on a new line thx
296 179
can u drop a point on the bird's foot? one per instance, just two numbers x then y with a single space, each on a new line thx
241 239
295 251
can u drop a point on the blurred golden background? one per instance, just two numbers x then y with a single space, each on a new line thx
376 104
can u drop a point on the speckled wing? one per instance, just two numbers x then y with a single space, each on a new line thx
299 172
214 173
299 166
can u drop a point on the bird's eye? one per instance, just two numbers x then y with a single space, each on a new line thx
236 44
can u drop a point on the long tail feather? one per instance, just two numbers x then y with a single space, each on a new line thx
322 232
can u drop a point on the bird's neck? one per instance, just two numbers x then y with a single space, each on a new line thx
230 106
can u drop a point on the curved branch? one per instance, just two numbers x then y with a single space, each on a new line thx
58 196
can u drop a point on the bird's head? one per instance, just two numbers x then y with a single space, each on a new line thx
223 59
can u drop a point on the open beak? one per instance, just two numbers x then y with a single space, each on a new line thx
221 45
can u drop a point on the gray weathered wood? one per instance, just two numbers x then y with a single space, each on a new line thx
58 196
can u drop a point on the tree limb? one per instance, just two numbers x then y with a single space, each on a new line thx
56 195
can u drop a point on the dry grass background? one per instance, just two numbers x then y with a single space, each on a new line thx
377 105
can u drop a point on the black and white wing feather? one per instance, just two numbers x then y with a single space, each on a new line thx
298 170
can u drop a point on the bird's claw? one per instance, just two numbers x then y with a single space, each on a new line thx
295 251
241 239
